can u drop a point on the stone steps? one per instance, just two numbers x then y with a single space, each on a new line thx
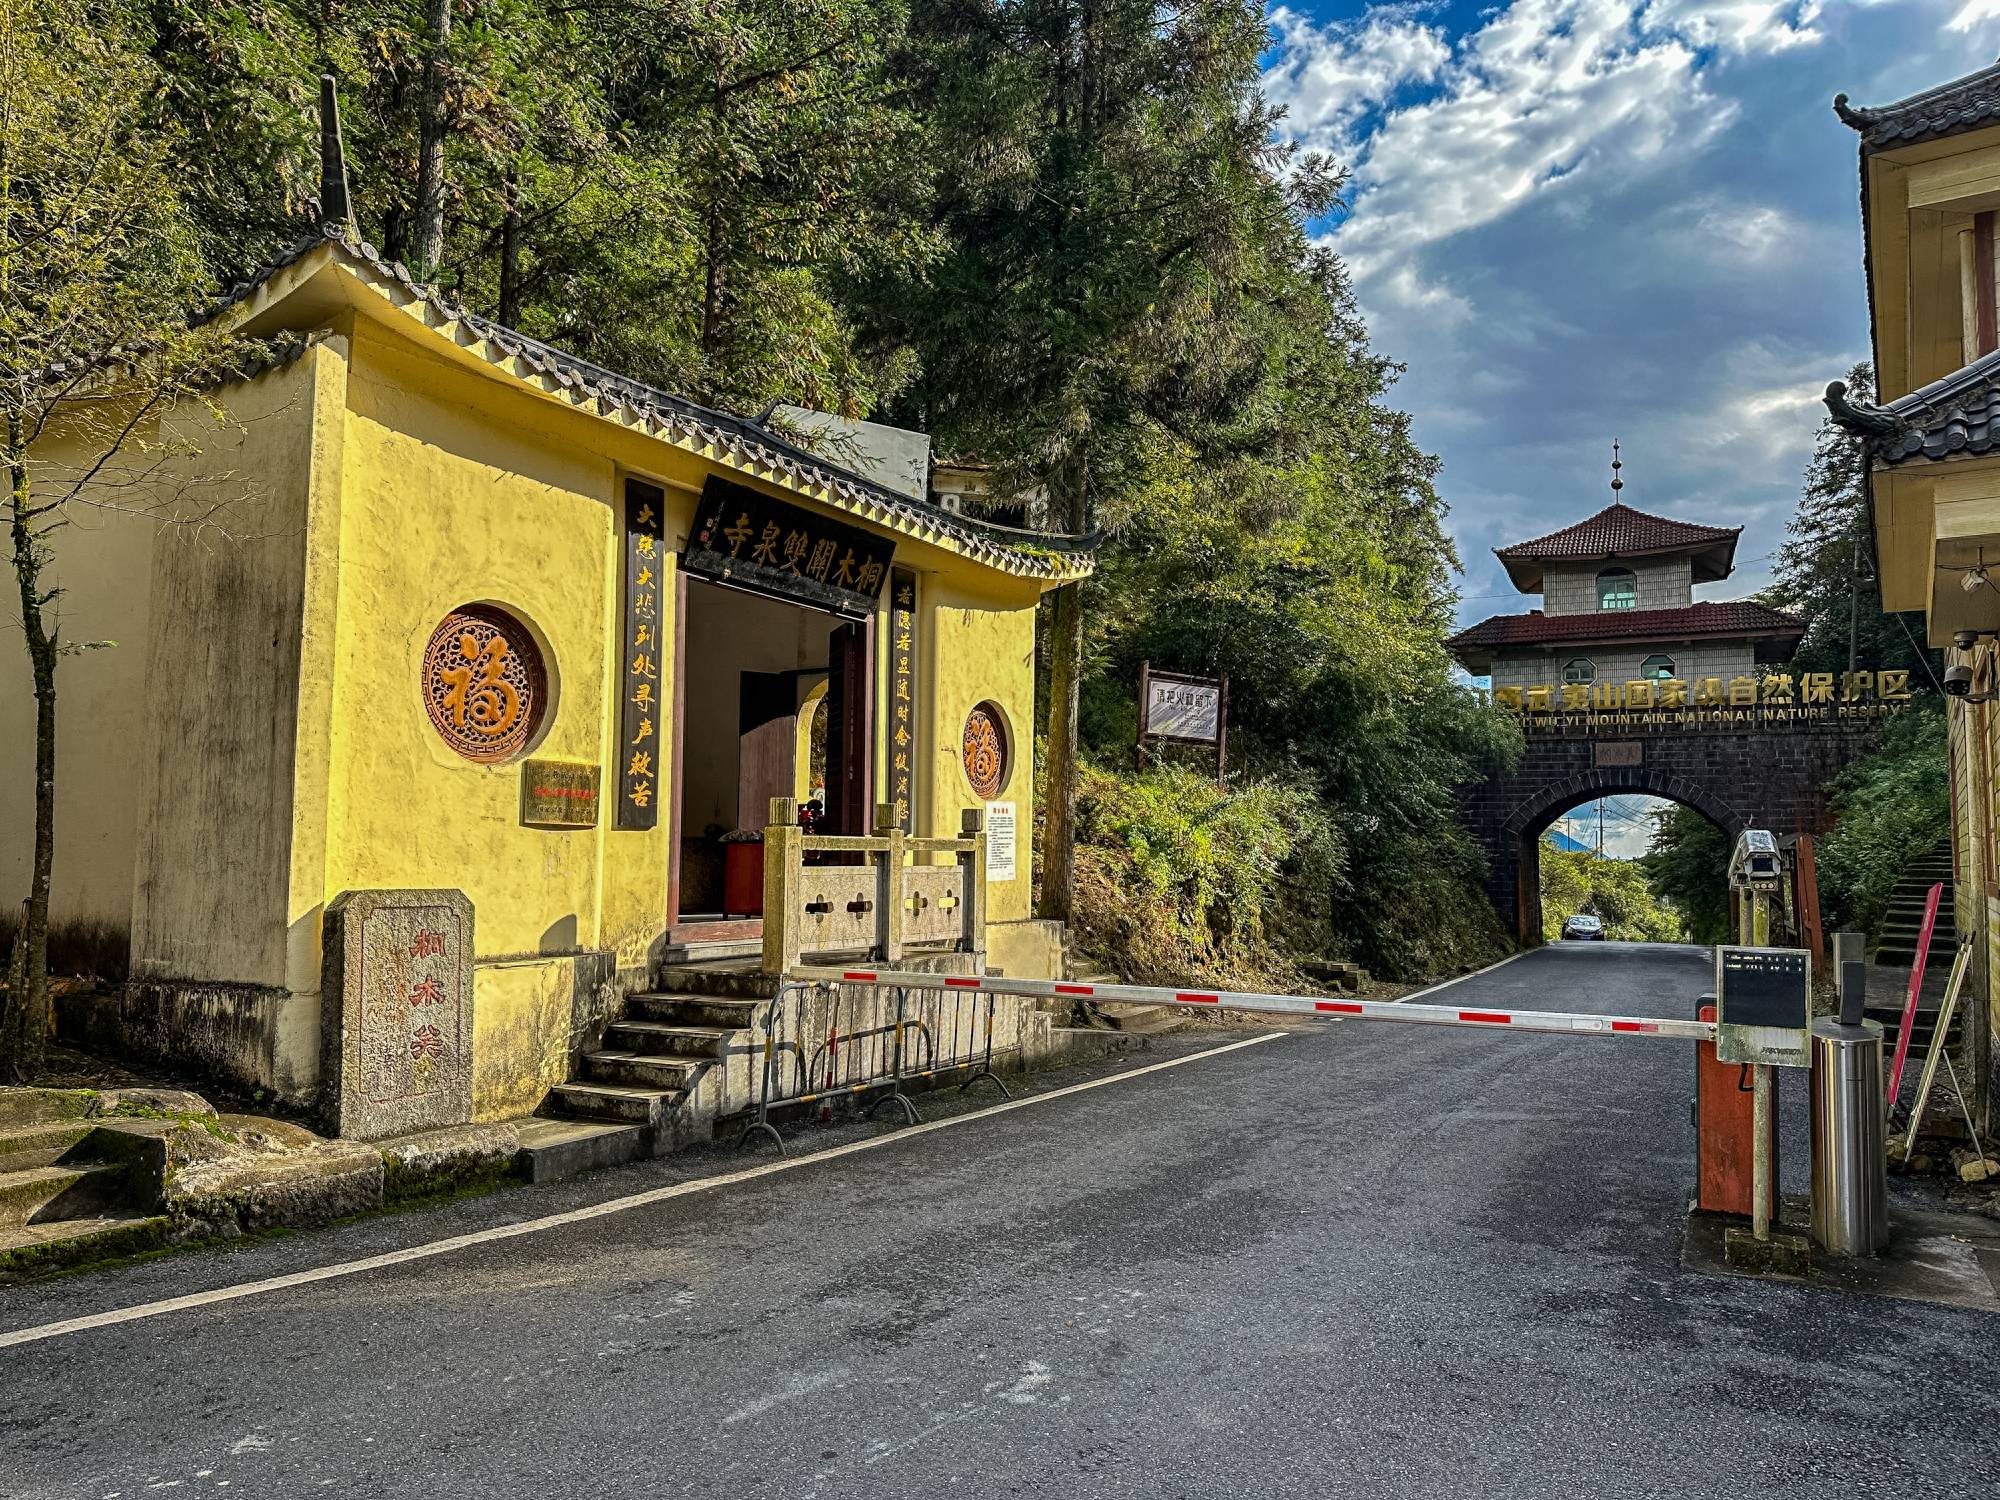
35 1195
39 1248
556 1150
614 1103
712 1011
43 1145
668 1039
657 1052
644 1070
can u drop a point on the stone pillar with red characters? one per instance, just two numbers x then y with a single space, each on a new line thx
396 1013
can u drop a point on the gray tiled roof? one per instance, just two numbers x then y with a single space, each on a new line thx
682 420
1953 417
1949 109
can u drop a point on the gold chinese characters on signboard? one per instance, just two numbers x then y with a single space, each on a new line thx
639 764
902 692
1772 695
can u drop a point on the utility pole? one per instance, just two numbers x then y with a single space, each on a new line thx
1600 828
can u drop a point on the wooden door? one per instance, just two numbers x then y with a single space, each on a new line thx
849 742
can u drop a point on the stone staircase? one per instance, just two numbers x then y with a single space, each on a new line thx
636 1094
1896 949
1129 1018
72 1188
1903 925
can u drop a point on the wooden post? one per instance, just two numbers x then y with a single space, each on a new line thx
888 885
783 855
972 825
1145 701
1222 732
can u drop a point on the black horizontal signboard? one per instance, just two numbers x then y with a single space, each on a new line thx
751 541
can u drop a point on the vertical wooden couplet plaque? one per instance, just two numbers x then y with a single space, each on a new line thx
902 695
639 761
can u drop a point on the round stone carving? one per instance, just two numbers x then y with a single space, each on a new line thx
484 686
985 750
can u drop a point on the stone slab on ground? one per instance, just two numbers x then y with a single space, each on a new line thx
41 1106
1933 1255
40 1249
556 1150
282 1190
455 1159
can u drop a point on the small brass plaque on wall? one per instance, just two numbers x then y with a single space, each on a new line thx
558 794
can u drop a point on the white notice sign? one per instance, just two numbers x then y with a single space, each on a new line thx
999 841
1183 710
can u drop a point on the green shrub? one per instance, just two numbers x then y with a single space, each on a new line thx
1892 805
1177 877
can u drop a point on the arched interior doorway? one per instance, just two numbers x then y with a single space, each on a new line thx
1527 824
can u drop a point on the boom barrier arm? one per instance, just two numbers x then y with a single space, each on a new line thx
1407 1012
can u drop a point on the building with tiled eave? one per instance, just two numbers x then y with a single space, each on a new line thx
1618 606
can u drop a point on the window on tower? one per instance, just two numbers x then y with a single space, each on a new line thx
1581 669
1617 588
1659 668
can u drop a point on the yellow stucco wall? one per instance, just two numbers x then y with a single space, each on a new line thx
103 565
978 646
213 768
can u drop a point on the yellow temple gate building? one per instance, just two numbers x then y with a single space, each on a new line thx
1930 189
477 616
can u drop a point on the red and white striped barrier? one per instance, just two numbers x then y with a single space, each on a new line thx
1408 1012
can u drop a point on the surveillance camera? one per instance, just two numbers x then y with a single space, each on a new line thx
1958 680
1965 640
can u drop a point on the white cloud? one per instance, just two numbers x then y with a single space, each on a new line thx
1741 26
1545 97
1329 76
1742 233
1974 13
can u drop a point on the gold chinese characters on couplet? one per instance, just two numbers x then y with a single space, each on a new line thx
902 692
639 763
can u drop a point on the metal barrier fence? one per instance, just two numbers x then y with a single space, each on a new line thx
822 1042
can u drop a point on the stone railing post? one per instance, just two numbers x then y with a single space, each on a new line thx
783 856
889 885
972 825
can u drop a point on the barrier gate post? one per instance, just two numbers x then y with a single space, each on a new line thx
1850 1170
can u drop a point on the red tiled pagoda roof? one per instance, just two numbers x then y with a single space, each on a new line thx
1691 621
1620 531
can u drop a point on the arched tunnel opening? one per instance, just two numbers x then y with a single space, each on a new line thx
1623 863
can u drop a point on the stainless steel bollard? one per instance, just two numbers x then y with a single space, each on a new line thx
1850 1182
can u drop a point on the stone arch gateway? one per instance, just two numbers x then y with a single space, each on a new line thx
1771 775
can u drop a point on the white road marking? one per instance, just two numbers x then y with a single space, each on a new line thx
1448 983
584 1215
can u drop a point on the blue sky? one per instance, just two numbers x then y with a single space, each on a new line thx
1580 219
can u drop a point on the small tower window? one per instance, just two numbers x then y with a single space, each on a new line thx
1581 669
1617 588
1659 668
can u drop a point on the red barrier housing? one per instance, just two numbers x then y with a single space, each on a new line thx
1725 1123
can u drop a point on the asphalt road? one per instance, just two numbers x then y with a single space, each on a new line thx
1359 1260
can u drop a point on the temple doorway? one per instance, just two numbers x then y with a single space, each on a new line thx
772 699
